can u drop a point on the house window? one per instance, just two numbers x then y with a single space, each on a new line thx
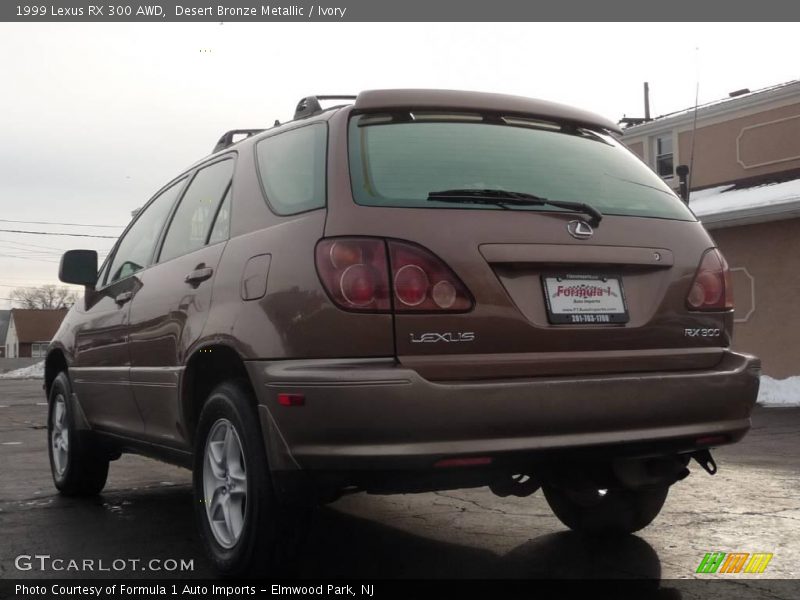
664 162
39 349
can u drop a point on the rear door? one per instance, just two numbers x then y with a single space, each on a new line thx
101 369
171 308
643 254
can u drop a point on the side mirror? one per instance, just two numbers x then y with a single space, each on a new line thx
78 267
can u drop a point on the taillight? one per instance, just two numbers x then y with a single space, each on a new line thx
354 272
422 282
711 288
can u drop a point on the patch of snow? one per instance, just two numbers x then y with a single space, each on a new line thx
779 392
724 198
35 371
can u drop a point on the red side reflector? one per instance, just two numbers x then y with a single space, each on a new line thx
291 399
711 440
463 462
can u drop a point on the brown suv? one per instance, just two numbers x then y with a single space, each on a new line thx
416 290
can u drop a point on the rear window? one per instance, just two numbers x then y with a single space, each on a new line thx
398 164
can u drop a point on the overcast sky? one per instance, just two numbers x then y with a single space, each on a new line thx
96 117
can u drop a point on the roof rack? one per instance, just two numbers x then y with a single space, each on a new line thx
227 138
309 106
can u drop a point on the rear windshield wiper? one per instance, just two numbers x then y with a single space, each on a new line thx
505 198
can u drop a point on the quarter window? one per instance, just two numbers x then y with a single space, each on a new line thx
292 169
191 223
664 161
135 249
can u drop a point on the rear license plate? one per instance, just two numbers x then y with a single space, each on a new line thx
584 299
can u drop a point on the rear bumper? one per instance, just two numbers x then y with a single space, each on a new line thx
375 414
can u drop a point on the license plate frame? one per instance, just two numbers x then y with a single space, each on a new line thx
583 299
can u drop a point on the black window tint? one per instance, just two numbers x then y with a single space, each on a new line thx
292 169
135 249
222 224
192 221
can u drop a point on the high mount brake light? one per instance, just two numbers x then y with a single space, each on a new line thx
356 274
711 288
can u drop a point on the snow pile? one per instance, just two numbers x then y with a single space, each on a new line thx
725 198
33 372
779 392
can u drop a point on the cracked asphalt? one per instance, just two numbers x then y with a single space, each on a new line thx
751 505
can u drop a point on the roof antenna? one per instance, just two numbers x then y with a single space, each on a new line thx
694 124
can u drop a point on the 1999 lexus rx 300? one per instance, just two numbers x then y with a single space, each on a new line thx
416 290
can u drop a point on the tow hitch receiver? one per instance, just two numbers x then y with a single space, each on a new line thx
705 460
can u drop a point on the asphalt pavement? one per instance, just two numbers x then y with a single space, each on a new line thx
751 505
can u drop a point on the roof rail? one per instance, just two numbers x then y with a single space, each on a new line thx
227 138
309 106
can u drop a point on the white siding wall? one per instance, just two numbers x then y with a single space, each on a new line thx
12 342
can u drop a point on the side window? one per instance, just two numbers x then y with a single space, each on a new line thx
664 155
222 224
191 223
135 249
292 169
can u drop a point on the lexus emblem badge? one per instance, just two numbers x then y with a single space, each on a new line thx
580 230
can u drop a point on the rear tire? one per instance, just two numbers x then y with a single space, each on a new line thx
611 512
79 466
245 530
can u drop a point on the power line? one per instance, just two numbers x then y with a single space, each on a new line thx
27 250
13 252
109 237
30 287
33 253
34 279
67 224
28 258
18 243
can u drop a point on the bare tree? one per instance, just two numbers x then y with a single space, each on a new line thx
46 296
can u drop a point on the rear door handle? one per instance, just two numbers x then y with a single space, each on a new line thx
199 275
123 298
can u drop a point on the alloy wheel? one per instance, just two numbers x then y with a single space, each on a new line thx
225 483
59 435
